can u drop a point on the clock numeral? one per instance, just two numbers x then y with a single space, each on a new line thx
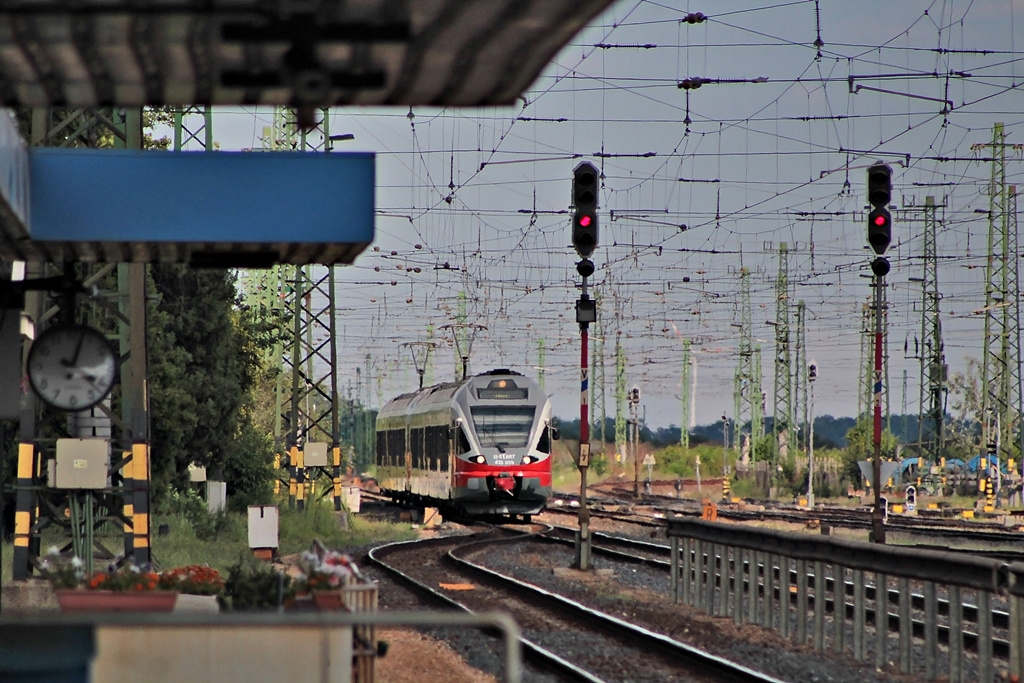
73 401
43 383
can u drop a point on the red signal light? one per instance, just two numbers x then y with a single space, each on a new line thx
880 220
585 220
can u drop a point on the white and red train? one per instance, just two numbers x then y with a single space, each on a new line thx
479 447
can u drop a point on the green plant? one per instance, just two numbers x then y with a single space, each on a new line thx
62 571
255 585
191 507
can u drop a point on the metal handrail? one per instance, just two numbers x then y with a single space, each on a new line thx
922 565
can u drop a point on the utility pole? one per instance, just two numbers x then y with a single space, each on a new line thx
812 375
685 395
746 396
634 421
1000 372
597 384
932 355
756 403
620 395
783 360
309 405
541 359
800 379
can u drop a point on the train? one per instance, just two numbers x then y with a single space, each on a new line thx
476 448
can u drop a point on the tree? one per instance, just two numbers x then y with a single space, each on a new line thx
204 365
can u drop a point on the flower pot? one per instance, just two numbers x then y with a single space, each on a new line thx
115 601
327 601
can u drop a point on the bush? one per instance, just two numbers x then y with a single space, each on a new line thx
188 504
254 585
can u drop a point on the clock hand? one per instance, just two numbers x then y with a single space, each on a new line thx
78 350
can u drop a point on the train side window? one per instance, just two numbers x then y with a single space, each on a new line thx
382 448
463 441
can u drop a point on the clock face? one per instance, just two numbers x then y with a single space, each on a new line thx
72 367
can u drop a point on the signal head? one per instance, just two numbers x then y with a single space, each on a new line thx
584 198
585 268
879 229
584 186
879 184
880 266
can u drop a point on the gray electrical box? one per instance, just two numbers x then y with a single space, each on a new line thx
217 496
315 454
82 464
263 526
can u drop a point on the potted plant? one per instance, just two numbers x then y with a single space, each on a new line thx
197 586
193 579
255 585
124 586
324 574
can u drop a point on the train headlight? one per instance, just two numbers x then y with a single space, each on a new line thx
527 459
479 459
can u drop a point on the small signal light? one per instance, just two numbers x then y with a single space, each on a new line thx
585 220
880 220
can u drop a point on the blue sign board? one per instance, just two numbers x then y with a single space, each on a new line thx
103 195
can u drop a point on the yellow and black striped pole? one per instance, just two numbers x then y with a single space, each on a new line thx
336 461
25 511
300 478
140 506
128 503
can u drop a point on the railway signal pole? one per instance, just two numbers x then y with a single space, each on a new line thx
879 236
584 240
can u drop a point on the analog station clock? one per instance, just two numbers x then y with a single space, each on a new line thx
72 367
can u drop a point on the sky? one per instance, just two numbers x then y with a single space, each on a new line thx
696 184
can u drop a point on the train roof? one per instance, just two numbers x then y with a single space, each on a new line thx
422 399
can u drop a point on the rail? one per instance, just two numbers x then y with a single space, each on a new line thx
750 574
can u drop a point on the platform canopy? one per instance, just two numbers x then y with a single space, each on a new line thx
305 54
90 53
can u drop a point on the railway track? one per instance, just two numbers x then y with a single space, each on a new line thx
986 539
657 556
560 636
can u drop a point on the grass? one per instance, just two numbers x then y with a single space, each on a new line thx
220 539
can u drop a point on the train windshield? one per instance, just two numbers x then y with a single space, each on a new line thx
503 427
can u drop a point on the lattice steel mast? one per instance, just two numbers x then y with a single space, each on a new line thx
597 383
932 354
1000 372
800 406
865 396
783 359
309 410
685 393
123 504
746 395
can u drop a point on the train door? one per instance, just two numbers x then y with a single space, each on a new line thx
453 443
408 460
